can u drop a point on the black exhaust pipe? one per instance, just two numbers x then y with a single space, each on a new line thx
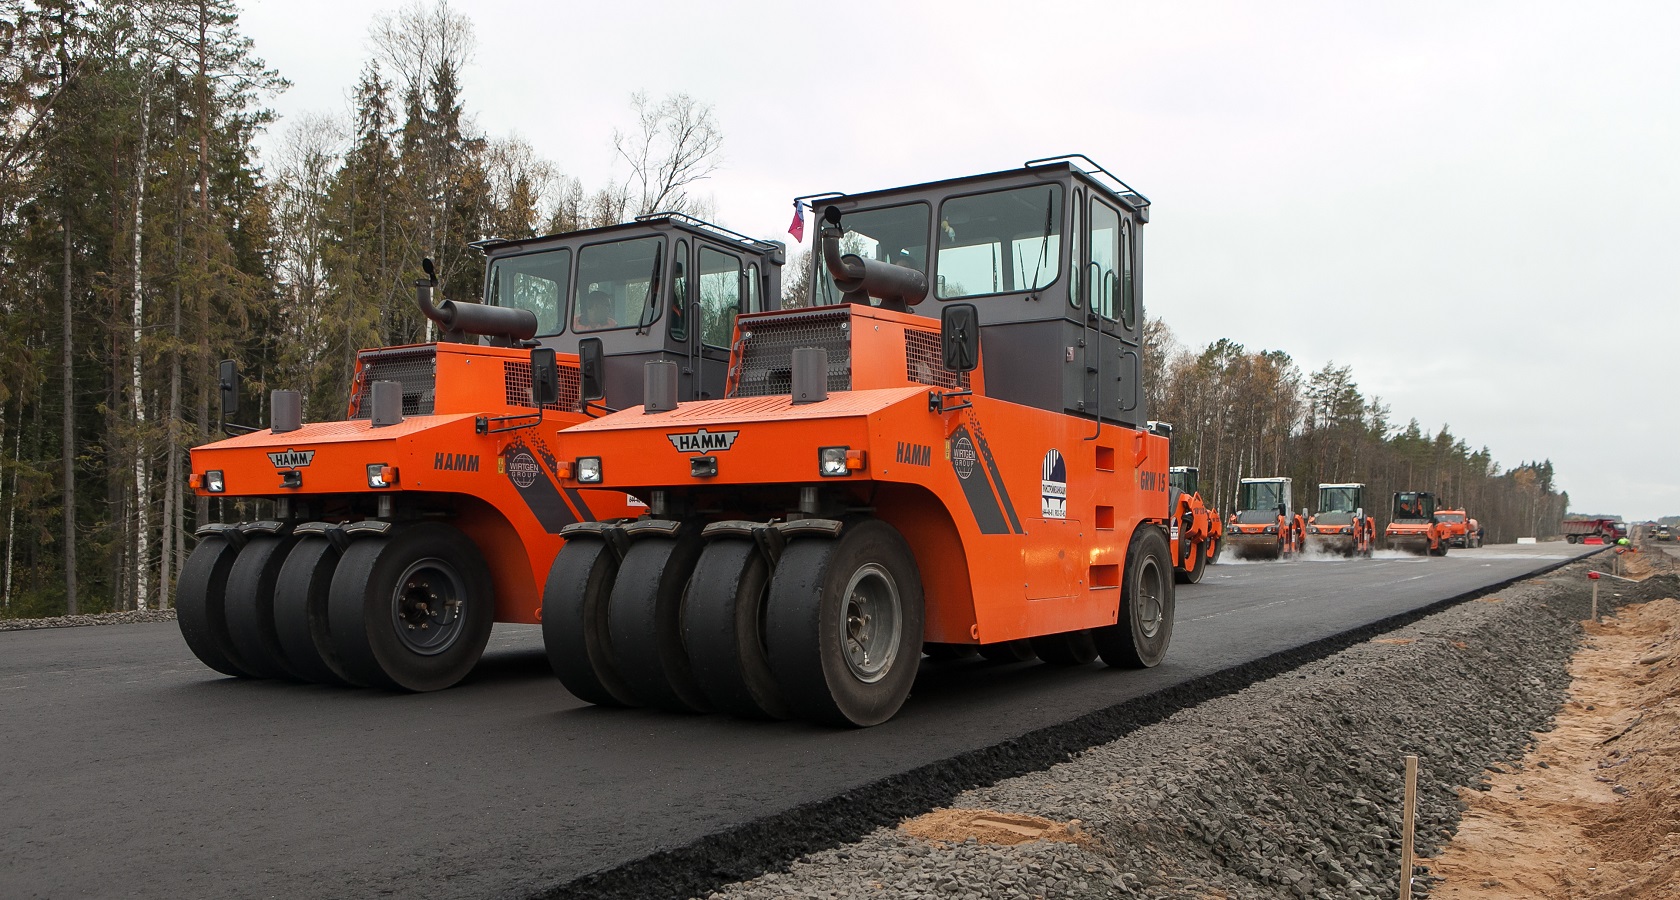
897 287
505 326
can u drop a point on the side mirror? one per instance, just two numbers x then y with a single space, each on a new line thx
959 337
229 378
545 377
591 370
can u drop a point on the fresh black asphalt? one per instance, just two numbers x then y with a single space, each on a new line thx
129 769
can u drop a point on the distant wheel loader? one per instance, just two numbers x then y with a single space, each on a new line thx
949 450
1265 525
1412 525
1194 529
1341 525
390 541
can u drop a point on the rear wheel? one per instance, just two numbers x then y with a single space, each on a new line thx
413 609
644 617
1140 637
1069 648
723 629
200 605
1009 651
574 622
250 606
1198 565
845 625
300 611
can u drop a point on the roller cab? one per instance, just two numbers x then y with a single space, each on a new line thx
1341 526
1264 525
1413 526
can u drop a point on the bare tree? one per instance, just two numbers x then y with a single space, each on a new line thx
674 144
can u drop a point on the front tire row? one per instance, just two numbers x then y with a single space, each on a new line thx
408 609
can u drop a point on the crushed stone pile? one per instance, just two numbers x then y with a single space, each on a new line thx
128 617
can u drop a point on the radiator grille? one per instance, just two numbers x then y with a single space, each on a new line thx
519 386
767 345
923 361
415 368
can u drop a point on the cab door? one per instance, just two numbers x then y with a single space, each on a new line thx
721 293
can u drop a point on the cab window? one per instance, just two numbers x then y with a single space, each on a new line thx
533 281
720 296
618 284
755 303
1106 261
679 293
1076 266
1000 242
893 234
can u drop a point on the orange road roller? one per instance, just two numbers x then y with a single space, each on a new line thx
1413 525
1341 525
1264 526
378 550
948 450
1194 529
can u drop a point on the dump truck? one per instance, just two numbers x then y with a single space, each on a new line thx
1579 530
1265 525
1341 525
1458 529
384 545
950 448
1412 525
1194 529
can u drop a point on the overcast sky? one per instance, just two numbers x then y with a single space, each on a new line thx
1475 205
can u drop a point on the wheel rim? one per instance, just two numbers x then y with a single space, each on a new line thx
1147 600
426 606
871 619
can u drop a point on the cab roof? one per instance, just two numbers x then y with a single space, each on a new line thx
652 222
1053 166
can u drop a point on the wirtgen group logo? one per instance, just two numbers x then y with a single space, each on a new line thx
702 441
962 457
291 459
522 468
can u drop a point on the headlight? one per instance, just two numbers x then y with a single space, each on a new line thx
1270 529
588 469
213 481
1312 529
831 461
380 475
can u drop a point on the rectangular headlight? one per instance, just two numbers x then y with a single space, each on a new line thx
213 481
380 475
831 462
588 469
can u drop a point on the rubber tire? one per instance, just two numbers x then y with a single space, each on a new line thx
359 608
804 632
1198 567
250 606
1009 651
1125 644
300 612
1068 649
200 611
1218 550
574 622
644 619
950 652
722 630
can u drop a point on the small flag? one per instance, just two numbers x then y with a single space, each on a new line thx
797 229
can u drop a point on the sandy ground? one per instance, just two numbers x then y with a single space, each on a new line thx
1593 811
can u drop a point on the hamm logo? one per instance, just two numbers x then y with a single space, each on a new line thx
702 441
291 459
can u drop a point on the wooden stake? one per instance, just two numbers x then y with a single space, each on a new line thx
1595 600
1406 829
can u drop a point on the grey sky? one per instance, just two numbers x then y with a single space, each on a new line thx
1473 204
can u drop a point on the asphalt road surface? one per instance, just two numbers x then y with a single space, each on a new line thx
127 768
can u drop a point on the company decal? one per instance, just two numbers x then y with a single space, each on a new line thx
291 459
915 454
991 516
1052 489
519 463
962 456
702 441
455 462
522 469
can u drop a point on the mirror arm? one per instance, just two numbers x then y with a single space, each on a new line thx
936 401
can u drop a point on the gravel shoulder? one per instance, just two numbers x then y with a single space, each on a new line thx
127 617
1288 788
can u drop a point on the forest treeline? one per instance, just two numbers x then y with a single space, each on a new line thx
142 241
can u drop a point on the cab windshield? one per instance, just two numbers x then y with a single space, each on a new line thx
1000 242
1408 505
533 281
894 234
1340 499
617 284
1184 481
1451 517
1261 496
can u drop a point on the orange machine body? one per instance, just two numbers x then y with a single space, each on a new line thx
1194 528
501 488
1415 526
1456 527
1019 518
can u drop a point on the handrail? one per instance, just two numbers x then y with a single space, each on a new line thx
1126 188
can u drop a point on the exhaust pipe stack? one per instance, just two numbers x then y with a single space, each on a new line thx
504 326
897 287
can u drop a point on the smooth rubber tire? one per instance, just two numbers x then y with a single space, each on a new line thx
574 622
301 595
811 627
1147 599
1198 566
723 630
1009 651
250 606
200 610
366 594
644 619
1068 649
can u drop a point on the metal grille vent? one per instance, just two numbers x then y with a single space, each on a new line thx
924 363
766 351
415 368
518 376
